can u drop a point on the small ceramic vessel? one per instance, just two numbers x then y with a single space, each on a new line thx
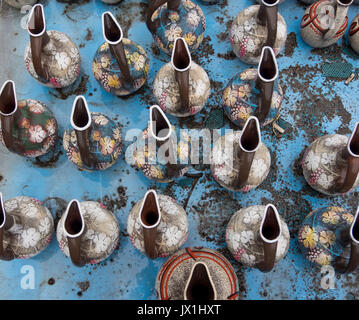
51 57
157 225
87 232
27 127
93 142
197 274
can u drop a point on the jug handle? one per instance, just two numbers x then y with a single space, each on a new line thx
82 138
270 251
154 5
269 15
75 251
340 16
353 260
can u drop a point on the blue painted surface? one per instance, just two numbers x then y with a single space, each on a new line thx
128 274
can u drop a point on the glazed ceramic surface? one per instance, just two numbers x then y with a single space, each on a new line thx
174 273
105 143
314 25
241 98
60 58
148 159
225 163
243 237
107 71
20 3
33 229
189 22
354 34
248 37
35 128
172 232
320 236
323 162
166 90
101 234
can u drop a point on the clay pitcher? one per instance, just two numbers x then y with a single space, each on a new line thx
331 163
240 161
318 28
181 87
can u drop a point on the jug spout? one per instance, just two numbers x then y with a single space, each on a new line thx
181 62
267 74
112 32
81 122
268 15
38 38
74 227
160 127
150 218
8 112
200 284
351 154
249 142
270 231
6 223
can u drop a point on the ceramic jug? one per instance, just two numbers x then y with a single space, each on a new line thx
256 27
197 274
20 3
240 160
51 57
325 22
26 228
157 225
331 163
27 127
255 92
93 142
170 19
330 236
120 65
162 152
354 34
87 232
181 87
258 237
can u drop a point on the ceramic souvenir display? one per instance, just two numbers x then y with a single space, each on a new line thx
27 127
258 237
20 3
93 142
331 163
51 57
330 236
26 228
87 232
157 225
354 34
197 274
170 19
318 28
240 160
181 87
162 152
120 65
254 92
256 27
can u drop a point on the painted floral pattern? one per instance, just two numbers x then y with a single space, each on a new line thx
166 90
225 163
35 128
248 36
60 58
33 229
20 3
149 160
105 143
172 230
189 22
240 98
323 163
243 239
107 71
101 234
321 235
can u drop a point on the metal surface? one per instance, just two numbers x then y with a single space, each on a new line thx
314 105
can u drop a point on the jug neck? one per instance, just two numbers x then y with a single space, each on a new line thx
6 223
268 16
